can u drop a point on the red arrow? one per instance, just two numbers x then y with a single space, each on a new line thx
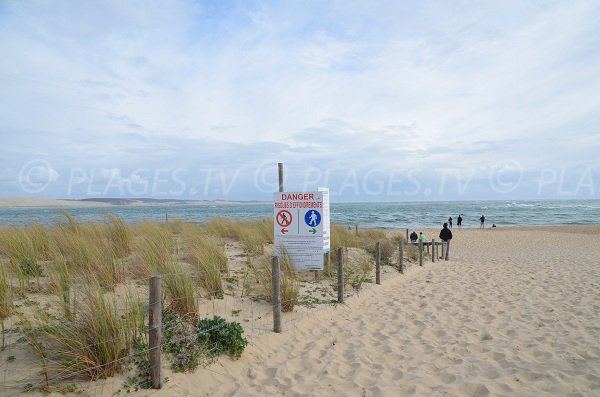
284 231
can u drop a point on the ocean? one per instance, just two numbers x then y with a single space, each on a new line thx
383 215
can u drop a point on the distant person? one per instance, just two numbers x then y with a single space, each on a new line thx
414 237
445 233
422 237
493 225
459 221
482 222
450 222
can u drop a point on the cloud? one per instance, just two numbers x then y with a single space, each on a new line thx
337 85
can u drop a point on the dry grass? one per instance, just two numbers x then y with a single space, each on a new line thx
96 339
154 247
106 257
253 234
6 300
261 271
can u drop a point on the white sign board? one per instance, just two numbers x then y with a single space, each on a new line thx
326 220
299 228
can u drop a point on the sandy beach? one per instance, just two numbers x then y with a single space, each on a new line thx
514 312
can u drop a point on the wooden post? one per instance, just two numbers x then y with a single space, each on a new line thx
276 296
280 170
447 249
378 263
356 228
154 332
406 235
401 262
433 250
443 249
420 253
340 274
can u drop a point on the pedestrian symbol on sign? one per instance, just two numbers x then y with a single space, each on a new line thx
312 218
283 218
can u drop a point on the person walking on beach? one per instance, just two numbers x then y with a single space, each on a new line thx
459 221
446 236
482 222
445 233
450 222
422 237
414 237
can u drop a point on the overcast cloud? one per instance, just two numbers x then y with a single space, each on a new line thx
381 101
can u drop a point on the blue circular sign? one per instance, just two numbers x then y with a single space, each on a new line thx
312 218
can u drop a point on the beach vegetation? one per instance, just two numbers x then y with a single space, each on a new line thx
94 341
221 336
6 301
92 272
358 270
261 271
180 290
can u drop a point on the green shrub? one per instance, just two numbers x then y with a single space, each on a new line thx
221 336
180 340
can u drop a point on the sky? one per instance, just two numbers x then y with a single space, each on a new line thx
377 100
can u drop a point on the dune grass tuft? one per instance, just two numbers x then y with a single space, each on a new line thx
261 271
96 339
6 299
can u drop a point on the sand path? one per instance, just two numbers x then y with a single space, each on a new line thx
514 313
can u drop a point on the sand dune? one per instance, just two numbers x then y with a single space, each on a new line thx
515 312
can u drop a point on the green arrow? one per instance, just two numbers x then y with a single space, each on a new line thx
313 230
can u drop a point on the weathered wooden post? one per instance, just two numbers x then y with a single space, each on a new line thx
340 274
443 249
154 332
447 249
401 262
406 234
420 253
433 250
276 295
378 263
280 171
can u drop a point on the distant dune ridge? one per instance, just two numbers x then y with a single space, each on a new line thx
23 202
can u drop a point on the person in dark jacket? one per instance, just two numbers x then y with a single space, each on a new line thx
413 237
445 233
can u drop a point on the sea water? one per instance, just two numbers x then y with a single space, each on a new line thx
385 215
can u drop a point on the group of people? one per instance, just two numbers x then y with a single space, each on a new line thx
446 233
460 219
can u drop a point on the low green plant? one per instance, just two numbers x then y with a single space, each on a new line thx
140 379
180 341
221 336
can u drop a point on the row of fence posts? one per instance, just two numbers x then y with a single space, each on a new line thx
340 273
155 310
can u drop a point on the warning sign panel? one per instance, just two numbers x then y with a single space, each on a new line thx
299 228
